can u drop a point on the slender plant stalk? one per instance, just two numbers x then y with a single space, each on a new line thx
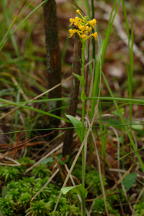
83 100
83 96
83 27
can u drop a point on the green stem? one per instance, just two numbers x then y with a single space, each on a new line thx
83 100
83 96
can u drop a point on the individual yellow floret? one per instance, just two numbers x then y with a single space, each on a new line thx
92 22
77 21
89 29
71 20
72 32
84 37
78 12
82 28
94 35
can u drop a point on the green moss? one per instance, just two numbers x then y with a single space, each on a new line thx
93 181
26 161
38 208
6 207
41 171
16 196
9 173
99 208
139 209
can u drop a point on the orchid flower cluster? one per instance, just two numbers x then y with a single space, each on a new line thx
83 27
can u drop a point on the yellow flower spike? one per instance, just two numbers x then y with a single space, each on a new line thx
82 27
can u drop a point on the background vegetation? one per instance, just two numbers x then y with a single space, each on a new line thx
99 171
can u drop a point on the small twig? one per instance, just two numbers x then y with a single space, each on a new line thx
16 163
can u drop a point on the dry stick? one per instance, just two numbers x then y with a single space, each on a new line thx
53 57
16 163
68 139
117 23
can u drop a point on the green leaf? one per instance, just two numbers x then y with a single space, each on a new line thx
77 125
137 126
65 190
79 189
129 180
